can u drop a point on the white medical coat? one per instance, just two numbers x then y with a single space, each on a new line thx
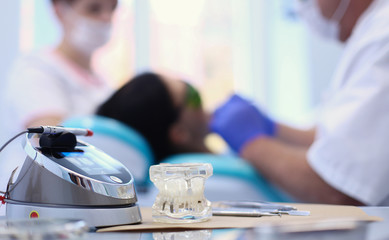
351 151
44 83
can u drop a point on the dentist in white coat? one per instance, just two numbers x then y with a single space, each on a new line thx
345 158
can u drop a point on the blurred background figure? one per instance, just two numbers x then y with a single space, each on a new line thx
343 160
167 112
49 85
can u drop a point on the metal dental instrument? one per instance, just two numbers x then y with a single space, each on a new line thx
243 212
294 212
56 129
252 208
256 205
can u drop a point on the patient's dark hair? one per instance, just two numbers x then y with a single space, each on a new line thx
145 104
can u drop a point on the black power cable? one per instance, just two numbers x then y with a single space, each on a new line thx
10 140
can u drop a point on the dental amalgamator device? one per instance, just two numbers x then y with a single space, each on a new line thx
63 177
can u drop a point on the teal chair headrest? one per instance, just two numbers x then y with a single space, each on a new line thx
113 128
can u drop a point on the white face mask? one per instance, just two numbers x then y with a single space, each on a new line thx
310 11
87 34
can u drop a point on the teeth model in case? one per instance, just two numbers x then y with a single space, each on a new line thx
181 192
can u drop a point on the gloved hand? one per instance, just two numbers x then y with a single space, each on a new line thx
238 121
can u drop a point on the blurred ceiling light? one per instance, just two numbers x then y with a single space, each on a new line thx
178 12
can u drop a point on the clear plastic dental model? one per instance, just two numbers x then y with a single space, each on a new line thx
181 192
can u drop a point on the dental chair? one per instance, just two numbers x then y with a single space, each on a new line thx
233 178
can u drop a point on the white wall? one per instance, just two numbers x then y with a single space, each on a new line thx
47 31
142 35
249 51
9 27
278 62
9 45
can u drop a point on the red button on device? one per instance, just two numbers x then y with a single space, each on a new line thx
34 214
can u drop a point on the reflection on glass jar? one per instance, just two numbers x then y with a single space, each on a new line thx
192 235
181 192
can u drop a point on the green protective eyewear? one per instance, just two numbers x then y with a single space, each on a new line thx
192 99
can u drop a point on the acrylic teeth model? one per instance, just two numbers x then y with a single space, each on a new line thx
181 192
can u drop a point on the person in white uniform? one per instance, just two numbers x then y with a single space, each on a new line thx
47 86
345 158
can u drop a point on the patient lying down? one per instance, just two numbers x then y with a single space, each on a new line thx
167 112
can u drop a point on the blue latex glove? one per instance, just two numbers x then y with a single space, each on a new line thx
238 121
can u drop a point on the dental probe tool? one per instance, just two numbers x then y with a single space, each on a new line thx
55 130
